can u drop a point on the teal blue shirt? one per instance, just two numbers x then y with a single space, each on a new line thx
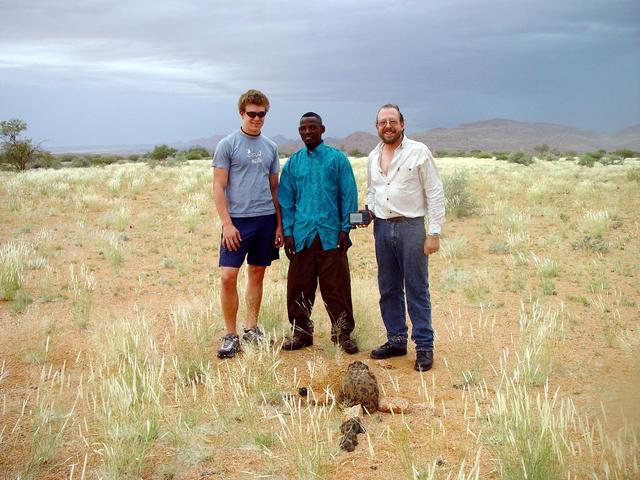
317 192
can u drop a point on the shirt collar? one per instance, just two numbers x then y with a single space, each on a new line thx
248 135
318 149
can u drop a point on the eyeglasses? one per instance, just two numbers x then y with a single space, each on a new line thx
256 114
383 123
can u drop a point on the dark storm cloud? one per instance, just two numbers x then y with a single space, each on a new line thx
444 61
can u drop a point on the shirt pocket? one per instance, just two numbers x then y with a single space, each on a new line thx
405 176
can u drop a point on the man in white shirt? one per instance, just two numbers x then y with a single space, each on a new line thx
404 186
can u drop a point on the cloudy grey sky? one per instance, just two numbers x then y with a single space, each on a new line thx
89 72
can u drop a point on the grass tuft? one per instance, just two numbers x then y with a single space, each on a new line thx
13 262
459 201
82 287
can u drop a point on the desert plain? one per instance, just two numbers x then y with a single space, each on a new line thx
110 322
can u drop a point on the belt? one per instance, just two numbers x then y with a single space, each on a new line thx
398 219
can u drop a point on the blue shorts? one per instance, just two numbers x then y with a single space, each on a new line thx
258 235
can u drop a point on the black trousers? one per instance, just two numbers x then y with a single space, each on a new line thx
331 269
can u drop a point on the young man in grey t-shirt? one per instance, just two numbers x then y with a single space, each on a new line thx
245 191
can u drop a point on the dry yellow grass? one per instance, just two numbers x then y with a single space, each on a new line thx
107 352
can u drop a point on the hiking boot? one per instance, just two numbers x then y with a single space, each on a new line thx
230 346
387 351
349 346
424 360
297 342
253 335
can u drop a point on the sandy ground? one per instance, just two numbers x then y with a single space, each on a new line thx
594 353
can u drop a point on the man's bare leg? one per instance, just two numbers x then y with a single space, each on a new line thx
253 297
229 297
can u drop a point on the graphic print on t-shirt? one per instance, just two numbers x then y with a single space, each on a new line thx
254 156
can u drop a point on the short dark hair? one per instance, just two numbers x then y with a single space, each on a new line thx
312 115
390 105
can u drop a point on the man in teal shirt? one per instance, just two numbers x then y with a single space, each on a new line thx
317 192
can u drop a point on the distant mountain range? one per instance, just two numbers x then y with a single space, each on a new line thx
488 135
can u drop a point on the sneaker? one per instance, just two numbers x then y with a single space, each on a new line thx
387 351
230 346
253 335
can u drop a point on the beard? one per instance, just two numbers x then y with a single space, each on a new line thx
391 140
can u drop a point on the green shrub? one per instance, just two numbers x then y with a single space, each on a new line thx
587 159
197 153
100 160
81 162
459 201
634 174
133 158
162 152
441 154
520 157
626 153
46 159
501 155
459 153
356 153
480 154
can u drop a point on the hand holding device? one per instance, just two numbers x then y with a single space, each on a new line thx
361 218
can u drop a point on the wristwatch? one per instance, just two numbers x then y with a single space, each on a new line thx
437 235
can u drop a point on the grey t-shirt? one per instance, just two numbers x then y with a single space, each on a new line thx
250 161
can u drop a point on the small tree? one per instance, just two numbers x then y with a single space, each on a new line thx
541 150
17 152
162 152
356 153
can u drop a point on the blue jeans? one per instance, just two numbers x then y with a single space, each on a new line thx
403 268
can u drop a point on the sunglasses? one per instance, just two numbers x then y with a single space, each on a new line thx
256 114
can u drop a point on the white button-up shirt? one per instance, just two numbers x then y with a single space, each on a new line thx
411 188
